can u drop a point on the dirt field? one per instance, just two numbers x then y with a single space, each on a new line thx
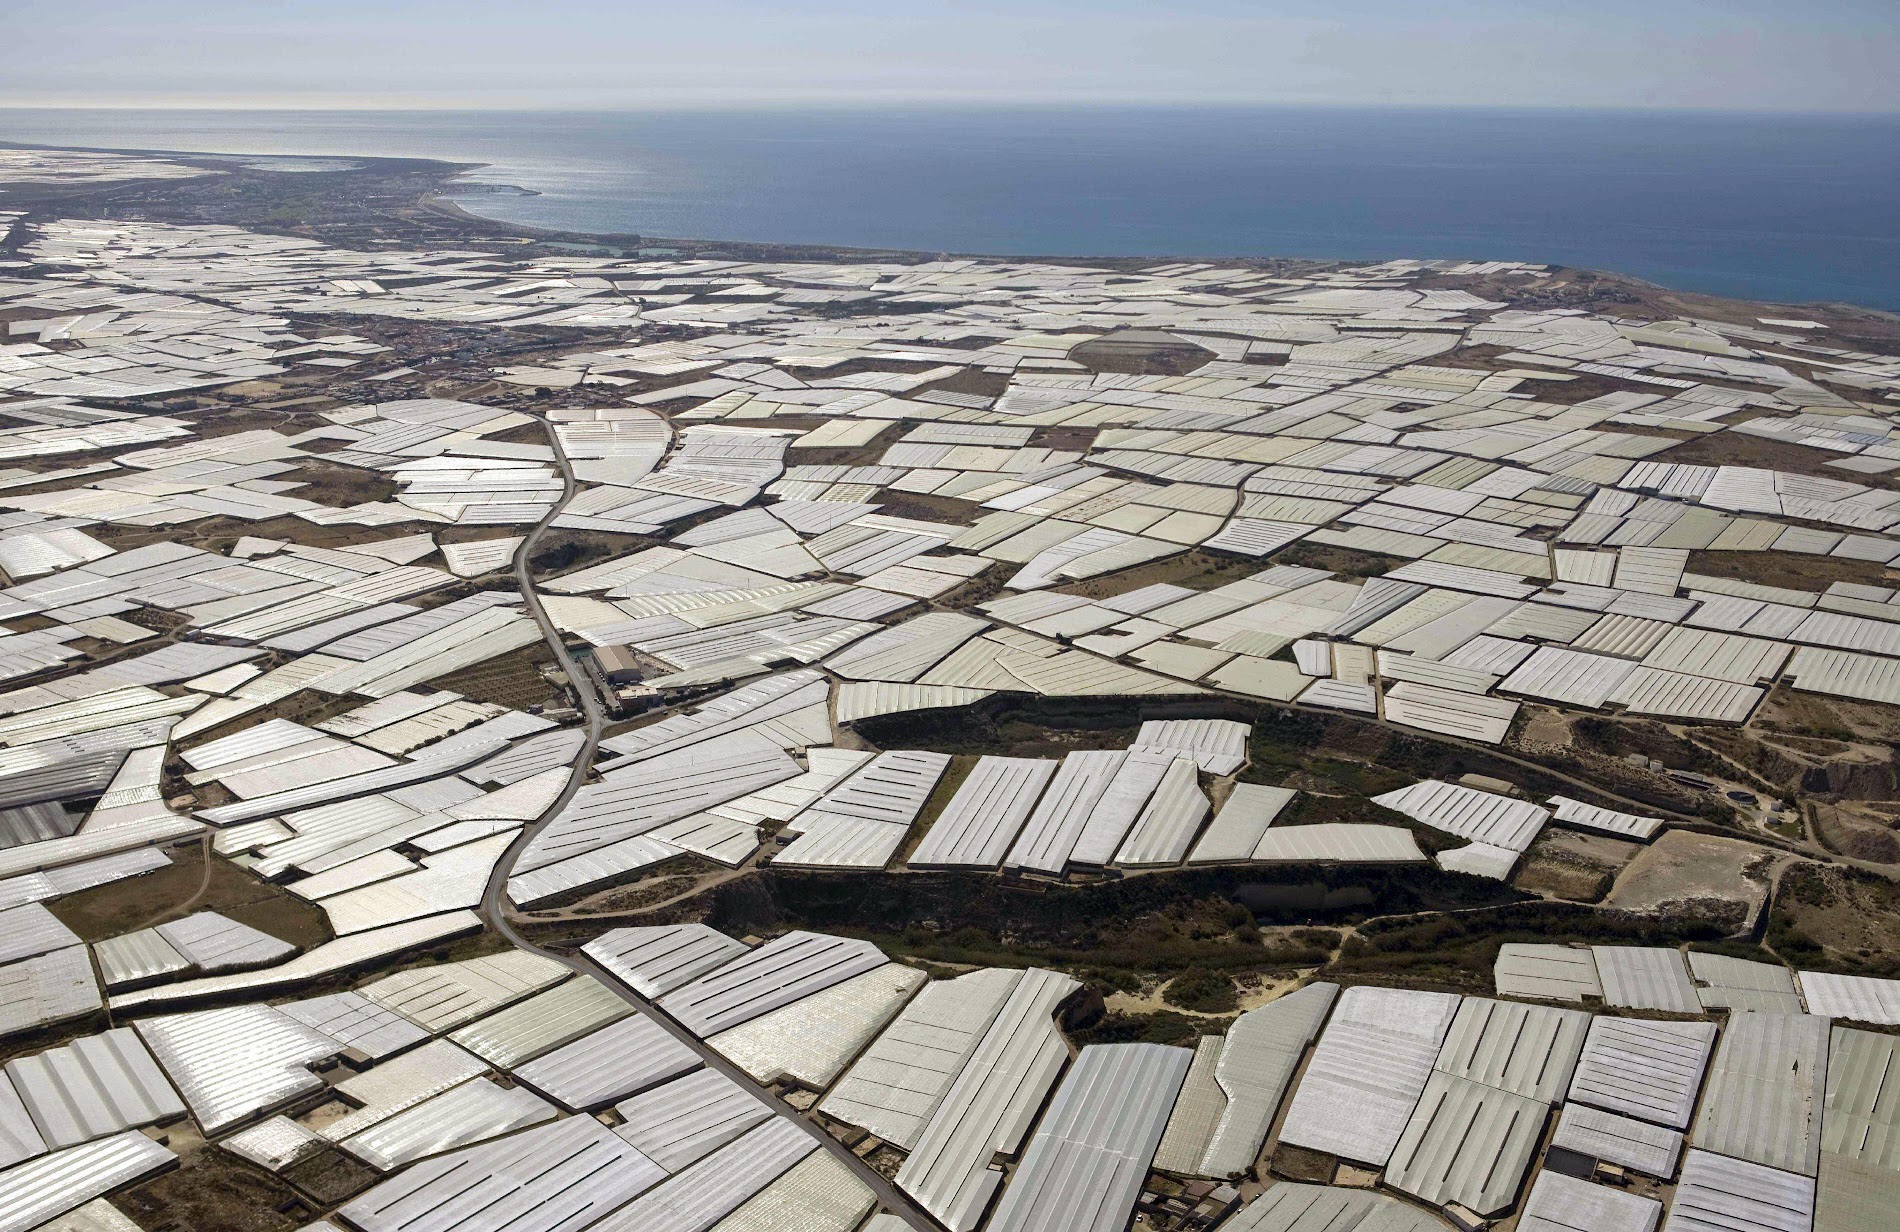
218 534
1837 919
1194 570
476 534
513 680
330 1177
1682 865
1576 867
970 381
1815 766
333 484
1065 436
1795 570
1831 718
124 906
565 551
927 508
211 1191
1347 562
645 892
1740 449
1597 751
1545 726
1137 352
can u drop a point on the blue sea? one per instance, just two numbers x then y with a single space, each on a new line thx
1783 208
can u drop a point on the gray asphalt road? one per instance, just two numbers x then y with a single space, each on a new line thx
494 906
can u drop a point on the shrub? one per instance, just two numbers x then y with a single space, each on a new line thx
1202 990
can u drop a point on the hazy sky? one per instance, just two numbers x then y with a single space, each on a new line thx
1822 55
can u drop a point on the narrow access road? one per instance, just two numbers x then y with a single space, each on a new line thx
494 906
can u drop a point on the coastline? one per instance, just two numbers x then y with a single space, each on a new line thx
437 199
444 205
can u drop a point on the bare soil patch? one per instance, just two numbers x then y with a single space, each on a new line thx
1682 866
122 906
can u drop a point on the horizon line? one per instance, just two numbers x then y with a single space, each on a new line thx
862 102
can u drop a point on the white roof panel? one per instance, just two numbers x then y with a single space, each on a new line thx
1560 1203
1085 1167
981 821
92 1087
1646 978
778 973
1719 1194
990 1104
1624 1141
41 1189
899 1081
1242 820
1467 813
1467 1143
656 960
1368 1072
471 1112
235 1063
559 1177
811 1040
1547 972
688 1118
1651 1070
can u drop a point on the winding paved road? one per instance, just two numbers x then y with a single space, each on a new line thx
494 906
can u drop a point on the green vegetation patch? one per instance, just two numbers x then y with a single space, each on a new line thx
1161 1027
1203 991
1115 933
1836 918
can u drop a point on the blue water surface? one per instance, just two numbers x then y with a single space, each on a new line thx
1773 207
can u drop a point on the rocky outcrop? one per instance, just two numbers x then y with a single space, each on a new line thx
1811 767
